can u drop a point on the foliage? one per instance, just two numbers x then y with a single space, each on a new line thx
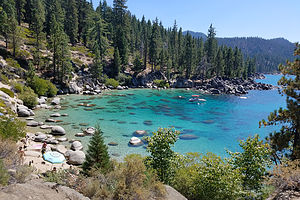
124 79
13 63
11 127
112 82
161 154
252 163
18 87
8 91
161 83
28 97
4 176
116 64
289 118
128 180
22 172
207 177
42 87
4 79
286 176
97 156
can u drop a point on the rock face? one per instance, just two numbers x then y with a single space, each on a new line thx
173 194
58 130
75 157
39 190
76 146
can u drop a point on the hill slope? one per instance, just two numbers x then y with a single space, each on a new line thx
268 53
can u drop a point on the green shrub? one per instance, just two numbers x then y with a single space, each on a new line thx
11 127
28 97
112 82
161 154
42 87
52 90
207 177
22 172
8 91
13 63
4 176
18 87
161 83
4 79
124 79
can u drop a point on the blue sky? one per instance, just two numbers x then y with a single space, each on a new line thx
232 18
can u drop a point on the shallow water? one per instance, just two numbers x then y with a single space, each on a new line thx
213 126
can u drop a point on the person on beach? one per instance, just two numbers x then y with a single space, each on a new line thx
44 147
21 155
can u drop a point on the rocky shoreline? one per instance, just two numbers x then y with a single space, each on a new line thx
218 85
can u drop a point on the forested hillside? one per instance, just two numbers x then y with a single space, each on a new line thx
120 46
268 53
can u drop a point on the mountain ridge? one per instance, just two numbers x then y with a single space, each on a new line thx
269 53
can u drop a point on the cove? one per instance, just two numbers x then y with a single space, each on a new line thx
211 126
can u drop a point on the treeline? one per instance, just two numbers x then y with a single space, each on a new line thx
117 39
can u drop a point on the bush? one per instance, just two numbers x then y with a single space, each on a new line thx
207 177
4 176
8 91
128 180
112 82
18 87
22 172
161 154
13 63
252 163
161 83
28 97
42 87
124 79
4 79
11 128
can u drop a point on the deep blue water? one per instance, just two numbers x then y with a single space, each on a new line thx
218 124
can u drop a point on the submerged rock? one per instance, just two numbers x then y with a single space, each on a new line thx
134 141
188 137
140 133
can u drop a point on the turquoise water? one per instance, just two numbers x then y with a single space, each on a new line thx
218 124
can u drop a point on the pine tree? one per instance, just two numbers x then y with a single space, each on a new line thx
61 54
37 25
20 4
211 45
220 63
154 45
116 63
121 25
189 56
97 66
229 63
98 37
289 134
71 21
97 156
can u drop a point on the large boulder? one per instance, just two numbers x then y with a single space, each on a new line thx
58 130
23 113
90 131
76 146
74 88
75 157
55 101
40 137
61 149
172 194
32 123
42 100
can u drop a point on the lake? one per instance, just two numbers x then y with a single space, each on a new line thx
214 125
